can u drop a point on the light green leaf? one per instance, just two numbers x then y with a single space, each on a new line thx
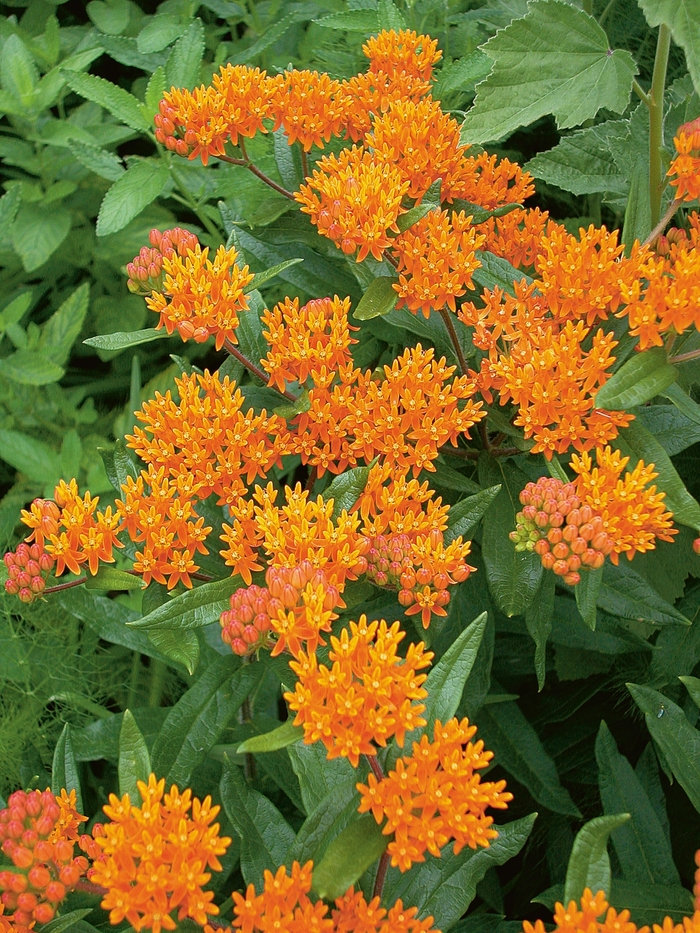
111 16
193 609
637 224
260 278
379 299
683 19
637 381
116 100
129 195
97 160
581 163
390 17
134 761
154 91
185 59
464 517
557 60
281 737
9 205
159 32
64 770
61 330
122 339
589 863
18 72
324 824
37 233
30 368
365 21
318 777
109 578
13 312
348 857
30 456
674 735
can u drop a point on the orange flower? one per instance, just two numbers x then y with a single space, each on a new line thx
193 123
311 341
588 919
358 201
156 856
436 261
517 236
373 93
397 506
434 796
633 512
489 182
246 96
368 694
146 269
205 296
310 106
686 165
402 52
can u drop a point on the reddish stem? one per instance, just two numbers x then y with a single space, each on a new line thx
373 762
381 874
64 586
252 368
246 163
685 357
89 887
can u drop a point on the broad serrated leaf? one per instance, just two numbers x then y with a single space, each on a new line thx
64 770
37 233
116 100
556 60
348 857
589 862
185 59
159 32
193 609
134 761
379 299
637 381
683 19
122 339
676 738
582 163
18 72
97 160
464 517
280 737
61 330
365 21
130 194
155 90
31 368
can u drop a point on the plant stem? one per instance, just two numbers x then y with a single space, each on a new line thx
640 92
656 121
63 586
449 324
89 887
192 204
685 357
661 226
155 693
381 874
311 479
246 163
252 368
373 762
304 163
134 680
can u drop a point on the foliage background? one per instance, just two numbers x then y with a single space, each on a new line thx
65 141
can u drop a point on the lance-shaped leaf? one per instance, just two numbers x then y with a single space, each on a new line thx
280 737
466 515
348 857
260 278
134 761
692 685
538 619
64 770
379 299
120 340
637 381
330 817
587 592
589 862
193 609
109 578
346 489
683 402
130 194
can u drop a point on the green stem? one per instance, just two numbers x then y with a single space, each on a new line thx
155 693
640 92
685 357
192 204
656 121
604 15
134 680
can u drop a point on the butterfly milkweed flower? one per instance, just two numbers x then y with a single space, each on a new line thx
434 796
368 695
202 297
310 106
685 168
37 833
284 904
155 857
145 271
595 916
402 52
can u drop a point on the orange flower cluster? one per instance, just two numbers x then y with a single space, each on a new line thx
686 166
146 270
284 904
572 920
155 857
89 535
37 835
489 182
517 236
404 418
205 296
396 505
29 566
308 342
368 695
402 53
554 525
421 569
309 106
434 795
633 512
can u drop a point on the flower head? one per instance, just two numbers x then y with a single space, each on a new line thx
309 106
686 166
146 270
589 919
399 52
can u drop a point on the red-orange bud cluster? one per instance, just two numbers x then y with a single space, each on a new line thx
146 270
44 867
696 545
246 624
566 535
28 568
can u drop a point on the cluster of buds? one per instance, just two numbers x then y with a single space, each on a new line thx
566 535
28 568
246 625
146 270
394 561
696 545
170 133
663 244
44 867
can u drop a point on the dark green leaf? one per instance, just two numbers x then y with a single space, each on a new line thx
587 592
589 863
692 685
71 919
61 330
328 820
159 32
260 278
625 593
64 770
318 777
37 233
176 645
348 857
346 489
193 609
637 381
281 737
379 299
134 761
465 516
538 619
683 402
495 272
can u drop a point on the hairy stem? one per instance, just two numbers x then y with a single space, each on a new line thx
640 92
661 226
656 121
304 162
63 586
252 368
246 163
373 762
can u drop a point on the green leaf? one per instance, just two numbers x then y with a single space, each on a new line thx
111 17
18 72
30 456
346 489
497 272
268 38
180 647
379 299
159 32
445 683
637 443
281 737
348 857
129 195
30 368
587 592
193 609
683 19
265 834
318 777
429 202
97 160
390 17
66 921
637 224
589 863
693 687
134 761
625 593
260 278
538 620
197 721
518 749
464 517
556 59
513 576
116 100
637 381
674 735
444 888
683 402
37 233
582 162
330 817
109 578
64 770
61 330
641 845
122 339
365 21
155 90
9 205
185 59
